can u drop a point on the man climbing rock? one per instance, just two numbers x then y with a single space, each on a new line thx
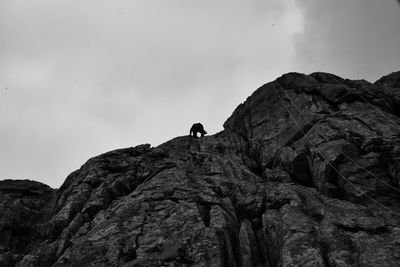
197 128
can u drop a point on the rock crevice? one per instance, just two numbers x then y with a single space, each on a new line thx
305 173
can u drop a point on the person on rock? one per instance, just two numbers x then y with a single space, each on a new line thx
197 128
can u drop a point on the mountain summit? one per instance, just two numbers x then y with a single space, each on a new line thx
305 173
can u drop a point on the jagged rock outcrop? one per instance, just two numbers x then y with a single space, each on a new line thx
305 173
25 207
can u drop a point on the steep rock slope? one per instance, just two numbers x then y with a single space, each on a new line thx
25 207
305 173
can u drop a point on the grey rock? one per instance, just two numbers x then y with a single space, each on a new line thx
305 173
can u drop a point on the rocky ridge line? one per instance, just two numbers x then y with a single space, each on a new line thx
305 173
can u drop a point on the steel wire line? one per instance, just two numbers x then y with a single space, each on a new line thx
333 167
344 154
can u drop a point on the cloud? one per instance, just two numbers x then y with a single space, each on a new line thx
355 39
89 76
85 77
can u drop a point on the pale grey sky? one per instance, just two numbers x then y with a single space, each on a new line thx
79 78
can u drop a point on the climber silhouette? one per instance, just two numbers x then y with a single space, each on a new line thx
197 128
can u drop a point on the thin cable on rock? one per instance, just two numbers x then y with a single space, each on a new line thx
344 154
117 207
328 162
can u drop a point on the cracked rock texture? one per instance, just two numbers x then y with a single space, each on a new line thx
305 173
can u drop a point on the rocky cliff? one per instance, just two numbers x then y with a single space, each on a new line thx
305 173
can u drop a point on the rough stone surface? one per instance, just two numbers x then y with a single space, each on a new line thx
305 173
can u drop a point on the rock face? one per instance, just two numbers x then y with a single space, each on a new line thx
305 173
24 207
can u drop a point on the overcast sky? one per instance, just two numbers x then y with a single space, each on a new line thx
81 77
